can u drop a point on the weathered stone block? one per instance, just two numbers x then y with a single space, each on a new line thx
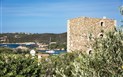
80 29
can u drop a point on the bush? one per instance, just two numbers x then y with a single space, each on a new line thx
18 65
105 61
108 55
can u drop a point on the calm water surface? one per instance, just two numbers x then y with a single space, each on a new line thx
16 45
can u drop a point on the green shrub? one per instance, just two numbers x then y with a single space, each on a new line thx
106 60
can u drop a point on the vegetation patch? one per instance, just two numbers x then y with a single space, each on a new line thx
106 60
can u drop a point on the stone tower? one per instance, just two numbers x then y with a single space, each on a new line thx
79 31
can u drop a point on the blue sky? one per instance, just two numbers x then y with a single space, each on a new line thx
50 16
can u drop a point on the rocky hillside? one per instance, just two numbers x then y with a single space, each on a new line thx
24 37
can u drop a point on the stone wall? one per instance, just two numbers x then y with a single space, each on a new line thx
81 30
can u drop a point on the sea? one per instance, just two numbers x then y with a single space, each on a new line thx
31 45
55 53
15 45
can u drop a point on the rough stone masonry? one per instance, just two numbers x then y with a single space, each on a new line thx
80 31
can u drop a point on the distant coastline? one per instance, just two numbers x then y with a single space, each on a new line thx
20 43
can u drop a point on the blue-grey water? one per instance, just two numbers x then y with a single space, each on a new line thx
31 45
56 51
15 45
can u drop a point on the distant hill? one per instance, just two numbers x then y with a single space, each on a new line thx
44 38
